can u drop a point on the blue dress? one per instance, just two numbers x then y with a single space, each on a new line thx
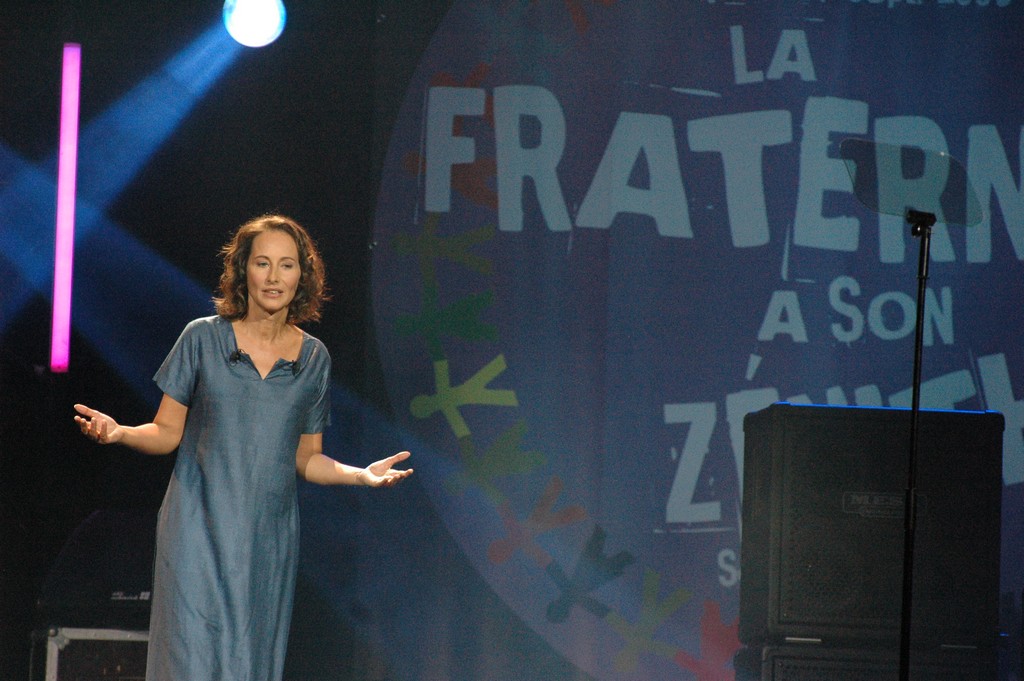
228 530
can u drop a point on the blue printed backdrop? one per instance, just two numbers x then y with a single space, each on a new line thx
606 231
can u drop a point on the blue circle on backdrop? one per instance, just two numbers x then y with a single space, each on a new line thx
581 390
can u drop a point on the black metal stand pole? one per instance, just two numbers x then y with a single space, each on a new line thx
921 227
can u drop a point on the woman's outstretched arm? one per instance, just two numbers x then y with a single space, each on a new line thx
161 436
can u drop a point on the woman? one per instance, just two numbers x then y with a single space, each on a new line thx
246 400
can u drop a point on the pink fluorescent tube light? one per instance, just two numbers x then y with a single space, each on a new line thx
64 249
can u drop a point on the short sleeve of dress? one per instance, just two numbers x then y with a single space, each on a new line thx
176 377
319 415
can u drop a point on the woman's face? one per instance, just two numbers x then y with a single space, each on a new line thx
272 273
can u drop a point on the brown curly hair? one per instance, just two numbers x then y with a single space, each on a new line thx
233 301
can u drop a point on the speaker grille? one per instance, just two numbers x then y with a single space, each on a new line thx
841 541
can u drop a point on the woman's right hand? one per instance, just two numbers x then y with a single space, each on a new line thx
97 426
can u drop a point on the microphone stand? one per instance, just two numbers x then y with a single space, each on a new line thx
921 224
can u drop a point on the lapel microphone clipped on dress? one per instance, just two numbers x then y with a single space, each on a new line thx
236 356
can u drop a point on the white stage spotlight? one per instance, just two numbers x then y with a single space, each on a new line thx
254 23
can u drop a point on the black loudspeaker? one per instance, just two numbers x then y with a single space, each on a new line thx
810 663
822 544
103 576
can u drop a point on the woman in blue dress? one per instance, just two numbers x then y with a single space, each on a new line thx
245 401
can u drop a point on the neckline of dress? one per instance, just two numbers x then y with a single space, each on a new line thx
279 363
